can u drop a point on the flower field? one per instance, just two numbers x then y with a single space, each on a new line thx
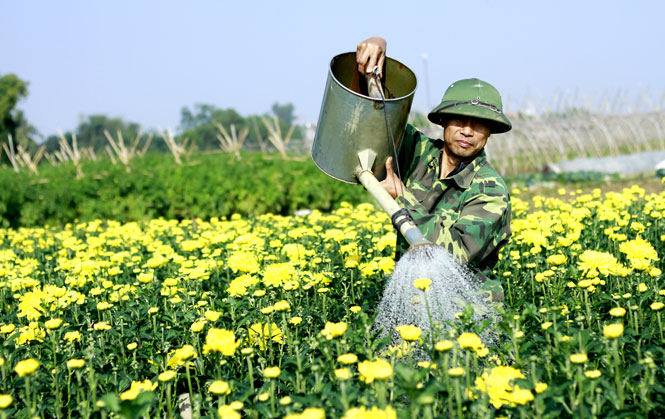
272 317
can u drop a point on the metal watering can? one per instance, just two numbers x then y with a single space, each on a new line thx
353 135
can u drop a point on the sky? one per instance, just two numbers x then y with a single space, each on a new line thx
144 60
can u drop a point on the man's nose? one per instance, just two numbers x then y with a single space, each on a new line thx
467 127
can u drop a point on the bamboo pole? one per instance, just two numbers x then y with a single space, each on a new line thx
11 153
176 149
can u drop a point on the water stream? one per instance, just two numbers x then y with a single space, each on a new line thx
451 289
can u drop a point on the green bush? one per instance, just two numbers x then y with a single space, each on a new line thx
207 185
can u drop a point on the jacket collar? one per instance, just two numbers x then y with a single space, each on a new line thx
464 177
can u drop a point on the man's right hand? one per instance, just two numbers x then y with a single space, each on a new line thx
371 53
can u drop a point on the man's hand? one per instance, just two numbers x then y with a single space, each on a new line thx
371 53
392 183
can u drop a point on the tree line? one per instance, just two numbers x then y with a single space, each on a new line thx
198 125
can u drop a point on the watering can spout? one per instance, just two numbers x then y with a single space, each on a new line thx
400 217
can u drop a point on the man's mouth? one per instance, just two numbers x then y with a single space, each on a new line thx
463 144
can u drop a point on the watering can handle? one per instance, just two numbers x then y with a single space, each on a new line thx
374 87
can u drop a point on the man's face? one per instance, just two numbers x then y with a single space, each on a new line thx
464 137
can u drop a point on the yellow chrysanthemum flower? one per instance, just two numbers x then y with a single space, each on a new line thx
409 333
468 340
219 387
374 370
613 331
271 372
136 388
333 330
76 363
580 358
422 283
222 341
26 367
347 359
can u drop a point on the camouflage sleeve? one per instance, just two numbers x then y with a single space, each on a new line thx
470 235
409 149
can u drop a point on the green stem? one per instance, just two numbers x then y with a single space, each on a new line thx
429 316
92 383
28 396
588 309
617 373
380 388
272 397
189 384
353 291
458 397
169 402
467 355
251 372
345 402
55 375
580 391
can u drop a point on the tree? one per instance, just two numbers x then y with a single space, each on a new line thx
284 112
90 132
199 126
12 120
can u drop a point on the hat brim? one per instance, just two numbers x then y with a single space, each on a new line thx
497 122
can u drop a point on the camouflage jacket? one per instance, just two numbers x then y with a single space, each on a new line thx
468 212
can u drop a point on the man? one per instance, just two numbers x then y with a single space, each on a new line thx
455 197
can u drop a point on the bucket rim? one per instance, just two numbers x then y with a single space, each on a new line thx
311 155
387 100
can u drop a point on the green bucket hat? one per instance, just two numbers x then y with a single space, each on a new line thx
475 98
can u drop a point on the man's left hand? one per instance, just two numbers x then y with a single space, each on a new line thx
392 183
